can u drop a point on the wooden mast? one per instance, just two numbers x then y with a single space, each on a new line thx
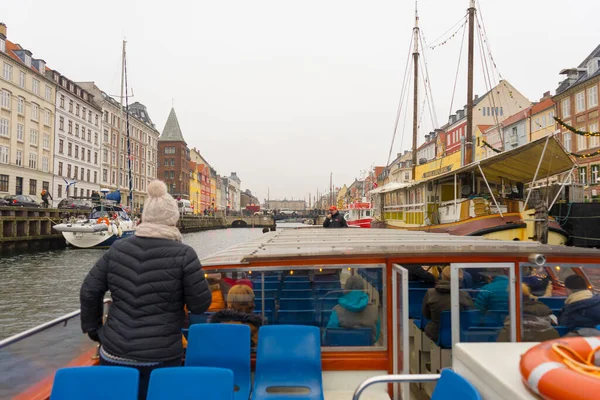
468 157
415 91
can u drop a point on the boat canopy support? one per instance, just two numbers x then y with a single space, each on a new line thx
536 171
489 188
562 186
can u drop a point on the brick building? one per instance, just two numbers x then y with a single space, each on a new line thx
174 158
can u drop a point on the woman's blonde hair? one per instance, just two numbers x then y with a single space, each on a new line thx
446 273
241 298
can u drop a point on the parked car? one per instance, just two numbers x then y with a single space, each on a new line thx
21 200
185 207
70 203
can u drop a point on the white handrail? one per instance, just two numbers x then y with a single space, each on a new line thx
393 379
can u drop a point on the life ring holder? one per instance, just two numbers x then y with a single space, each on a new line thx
560 369
103 220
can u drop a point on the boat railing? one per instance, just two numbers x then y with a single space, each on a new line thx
403 206
393 379
47 325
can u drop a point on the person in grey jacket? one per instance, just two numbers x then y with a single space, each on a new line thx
151 277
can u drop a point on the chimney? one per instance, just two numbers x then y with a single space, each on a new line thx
460 114
452 119
2 30
476 97
432 135
546 95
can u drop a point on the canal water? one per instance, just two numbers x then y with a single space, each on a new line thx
35 288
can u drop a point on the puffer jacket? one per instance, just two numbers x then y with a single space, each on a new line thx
354 311
436 301
537 325
581 314
336 221
150 281
494 295
231 316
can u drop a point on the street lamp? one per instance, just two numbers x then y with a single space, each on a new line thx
197 193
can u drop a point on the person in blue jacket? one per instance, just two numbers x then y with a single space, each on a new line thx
354 309
494 295
582 308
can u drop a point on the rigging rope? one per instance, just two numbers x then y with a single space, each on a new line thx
435 121
457 70
434 44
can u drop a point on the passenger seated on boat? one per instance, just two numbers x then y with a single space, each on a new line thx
354 310
582 308
494 295
240 307
538 281
437 300
537 320
417 273
151 276
218 289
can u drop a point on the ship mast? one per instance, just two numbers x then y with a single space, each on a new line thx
415 91
468 157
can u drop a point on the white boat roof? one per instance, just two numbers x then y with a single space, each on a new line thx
289 244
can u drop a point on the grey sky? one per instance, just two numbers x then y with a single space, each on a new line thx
284 92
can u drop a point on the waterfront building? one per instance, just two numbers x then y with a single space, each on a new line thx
399 170
248 199
291 205
200 190
213 189
541 119
174 158
480 148
77 139
576 101
514 130
223 203
143 138
27 115
341 198
234 189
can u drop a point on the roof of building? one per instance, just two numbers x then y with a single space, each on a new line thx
139 111
542 106
583 75
519 116
11 47
172 131
483 128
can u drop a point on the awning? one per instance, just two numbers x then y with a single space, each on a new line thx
389 187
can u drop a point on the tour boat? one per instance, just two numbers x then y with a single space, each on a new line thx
313 265
359 215
106 224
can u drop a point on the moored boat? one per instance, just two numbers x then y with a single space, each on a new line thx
359 215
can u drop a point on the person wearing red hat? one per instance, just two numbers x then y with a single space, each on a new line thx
333 219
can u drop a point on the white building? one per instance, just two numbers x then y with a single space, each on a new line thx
77 140
235 191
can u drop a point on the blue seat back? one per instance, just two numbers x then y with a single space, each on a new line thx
495 317
415 302
296 317
452 386
297 304
348 337
296 294
325 315
269 304
268 285
91 383
303 285
328 293
269 315
296 346
553 302
189 382
295 278
562 330
268 278
445 334
221 346
268 294
327 304
200 318
331 285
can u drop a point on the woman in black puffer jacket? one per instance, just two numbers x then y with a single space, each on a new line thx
151 276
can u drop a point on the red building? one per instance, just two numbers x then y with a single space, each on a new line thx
174 159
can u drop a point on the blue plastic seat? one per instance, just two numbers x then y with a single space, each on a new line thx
222 346
303 285
268 285
296 294
348 337
295 278
298 347
553 302
331 285
328 293
452 386
268 294
495 317
269 303
200 318
92 383
269 315
325 315
415 301
562 330
327 304
297 304
296 317
190 383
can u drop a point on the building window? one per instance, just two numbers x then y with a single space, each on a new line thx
3 183
594 140
21 105
114 178
70 106
33 137
62 101
19 160
46 141
7 72
4 155
22 79
90 117
76 130
32 160
581 141
89 136
48 93
35 112
77 110
76 151
32 187
551 118
566 108
68 171
47 118
82 173
89 155
44 163
95 176
5 99
61 144
75 171
592 96
95 137
69 149
595 171
59 191
96 119
35 86
4 127
104 175
60 169
95 158
88 175
583 175
567 141
580 102
20 132
70 127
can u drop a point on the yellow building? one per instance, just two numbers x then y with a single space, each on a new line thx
201 193
27 115
541 120
480 147
341 196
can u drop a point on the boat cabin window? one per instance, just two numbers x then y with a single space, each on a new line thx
347 302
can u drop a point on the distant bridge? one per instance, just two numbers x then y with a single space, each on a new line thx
256 221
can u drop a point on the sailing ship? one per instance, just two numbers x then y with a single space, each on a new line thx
464 193
108 221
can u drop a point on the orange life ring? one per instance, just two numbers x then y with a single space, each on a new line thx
103 219
549 370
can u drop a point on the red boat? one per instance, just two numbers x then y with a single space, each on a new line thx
359 215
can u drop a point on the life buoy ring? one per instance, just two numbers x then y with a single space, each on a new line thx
563 369
103 220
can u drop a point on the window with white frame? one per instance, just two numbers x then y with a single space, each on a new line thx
594 169
5 99
551 118
7 72
33 137
46 141
19 159
48 93
4 154
62 101
44 163
581 140
32 160
566 108
20 105
2 46
594 140
4 127
35 86
583 175
592 66
20 132
35 112
592 95
567 141
47 118
22 79
580 102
